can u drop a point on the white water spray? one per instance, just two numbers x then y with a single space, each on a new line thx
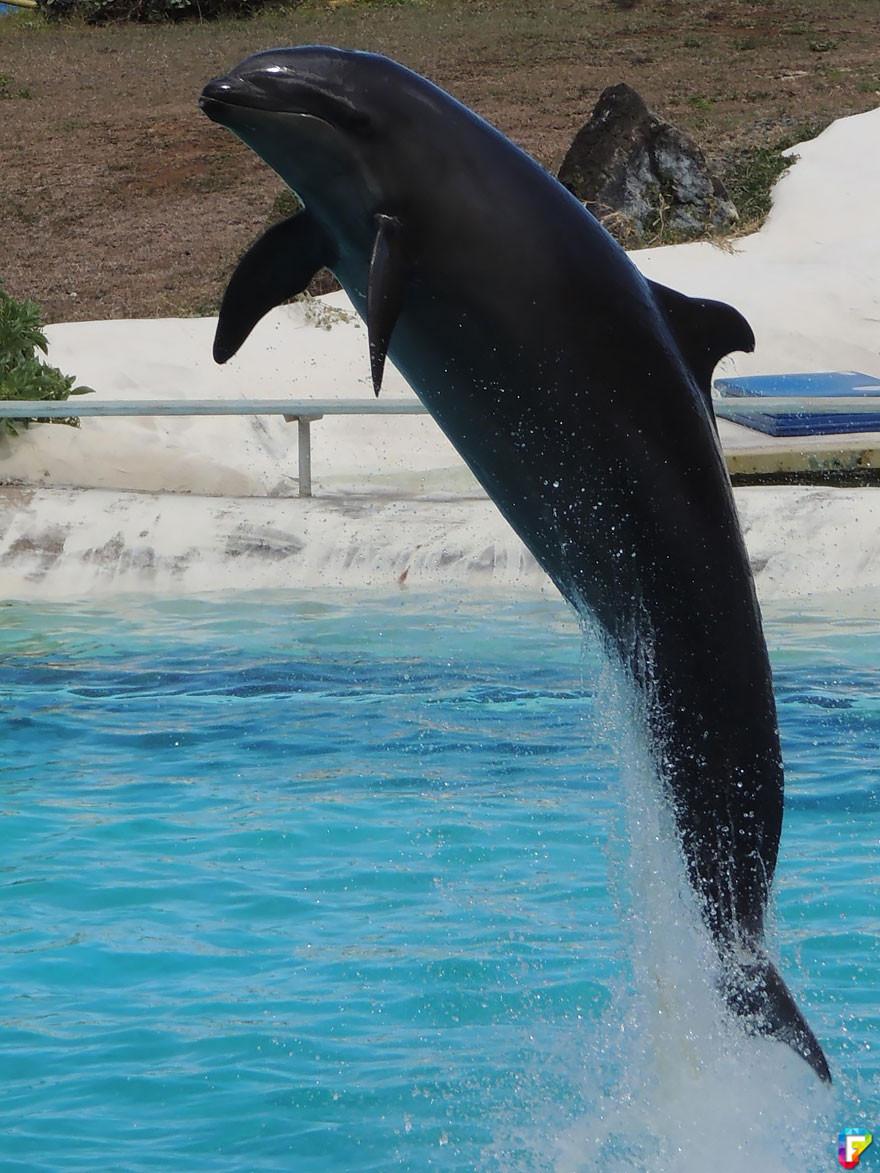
673 1082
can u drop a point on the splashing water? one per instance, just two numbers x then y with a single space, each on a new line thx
675 1082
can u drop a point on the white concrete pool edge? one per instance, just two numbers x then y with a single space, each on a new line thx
96 543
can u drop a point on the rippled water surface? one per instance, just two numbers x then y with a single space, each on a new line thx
305 885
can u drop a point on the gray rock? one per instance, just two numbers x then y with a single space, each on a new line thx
643 177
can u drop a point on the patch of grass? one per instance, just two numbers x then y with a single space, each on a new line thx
21 211
209 308
285 204
374 3
23 19
210 182
822 46
216 175
752 179
150 11
8 89
750 175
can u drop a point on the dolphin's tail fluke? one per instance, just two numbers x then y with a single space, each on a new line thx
756 993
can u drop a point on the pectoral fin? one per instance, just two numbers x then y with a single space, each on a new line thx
384 292
276 267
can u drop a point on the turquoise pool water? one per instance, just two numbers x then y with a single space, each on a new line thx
329 885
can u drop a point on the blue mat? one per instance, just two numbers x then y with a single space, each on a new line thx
827 384
815 415
774 422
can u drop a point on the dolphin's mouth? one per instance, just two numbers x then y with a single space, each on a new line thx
299 97
212 107
224 93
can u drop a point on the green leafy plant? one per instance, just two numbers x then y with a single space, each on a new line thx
22 374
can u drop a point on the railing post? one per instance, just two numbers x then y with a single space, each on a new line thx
305 450
305 456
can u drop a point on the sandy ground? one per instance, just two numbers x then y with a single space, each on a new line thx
118 199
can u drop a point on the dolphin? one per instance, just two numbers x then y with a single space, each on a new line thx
578 393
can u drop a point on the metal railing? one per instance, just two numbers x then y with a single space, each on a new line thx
304 411
844 453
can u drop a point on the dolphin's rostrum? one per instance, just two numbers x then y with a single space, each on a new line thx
578 393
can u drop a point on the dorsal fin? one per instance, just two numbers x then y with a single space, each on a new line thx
705 331
384 292
276 267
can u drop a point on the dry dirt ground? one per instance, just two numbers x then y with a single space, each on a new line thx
119 199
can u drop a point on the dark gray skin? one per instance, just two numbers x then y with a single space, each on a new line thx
578 394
